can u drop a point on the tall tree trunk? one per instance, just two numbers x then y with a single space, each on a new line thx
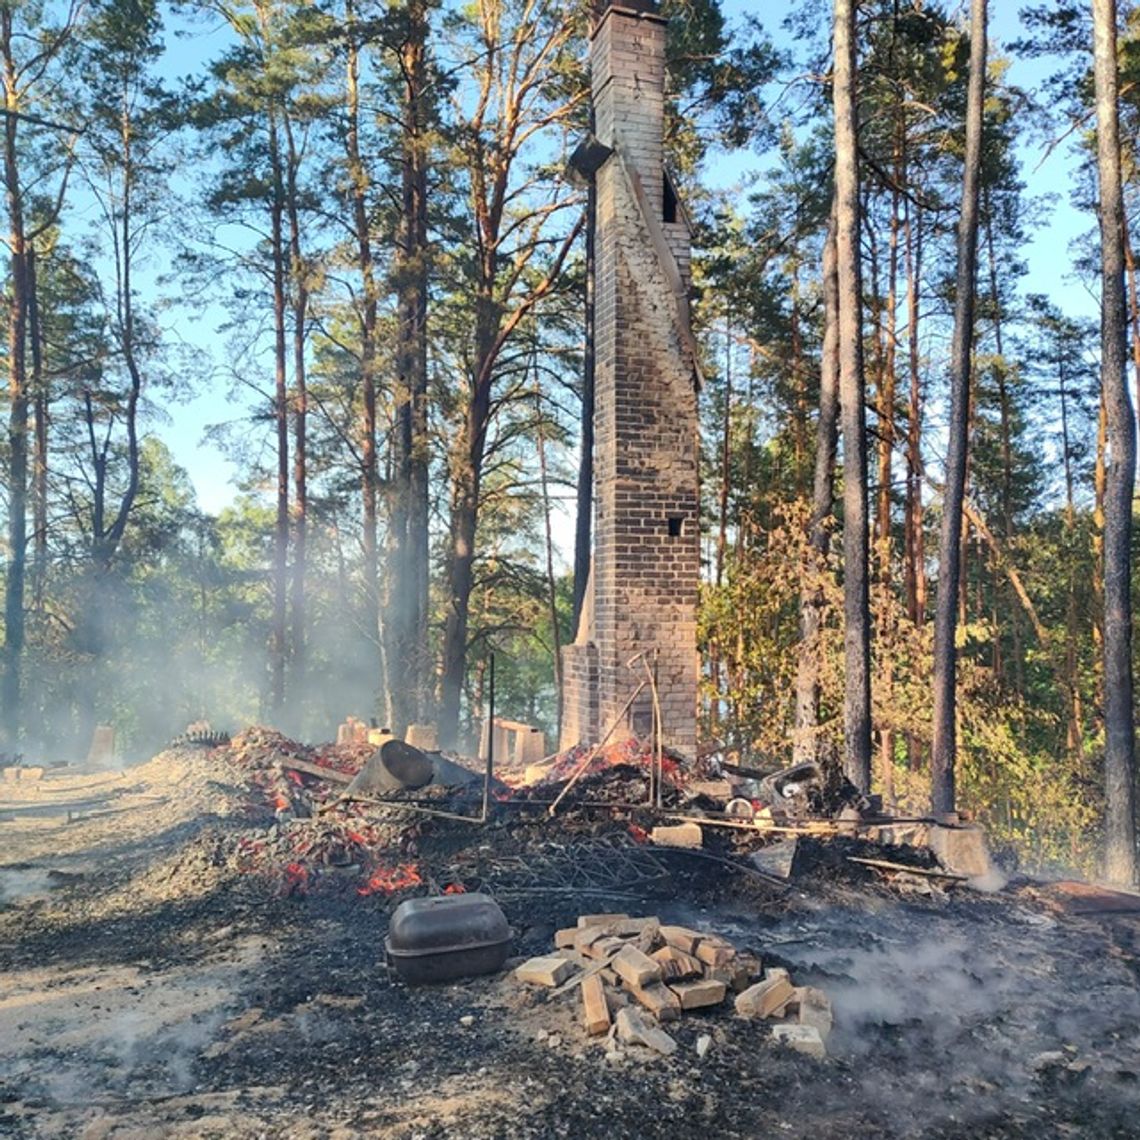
40 453
468 469
492 331
408 611
915 530
360 184
278 639
886 417
799 380
714 646
298 274
551 581
10 690
585 490
1119 757
1072 677
805 741
914 567
856 607
1100 480
725 458
944 754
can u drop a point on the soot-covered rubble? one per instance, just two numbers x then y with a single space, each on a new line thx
200 952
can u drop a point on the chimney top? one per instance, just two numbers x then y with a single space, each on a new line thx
640 7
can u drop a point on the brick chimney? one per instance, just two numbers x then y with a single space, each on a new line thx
643 590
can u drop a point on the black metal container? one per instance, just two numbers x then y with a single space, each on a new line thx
452 936
393 767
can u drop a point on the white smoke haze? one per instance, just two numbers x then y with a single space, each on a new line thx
187 639
970 1005
119 1030
18 883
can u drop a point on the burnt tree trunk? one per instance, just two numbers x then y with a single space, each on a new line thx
278 639
408 600
585 488
298 274
40 400
1119 758
856 607
17 401
369 469
944 752
806 740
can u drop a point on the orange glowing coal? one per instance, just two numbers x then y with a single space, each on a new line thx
296 878
389 880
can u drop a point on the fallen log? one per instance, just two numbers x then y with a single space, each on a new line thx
333 775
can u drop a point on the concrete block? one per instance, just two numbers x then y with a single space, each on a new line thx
676 965
585 920
802 1038
564 939
697 995
687 835
633 1028
102 751
659 999
814 1008
764 999
714 951
549 971
595 1008
636 968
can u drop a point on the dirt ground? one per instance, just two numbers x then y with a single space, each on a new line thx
150 987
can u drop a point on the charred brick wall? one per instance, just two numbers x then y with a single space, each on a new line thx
646 545
579 694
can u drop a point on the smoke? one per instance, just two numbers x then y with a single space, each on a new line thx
166 656
993 881
961 1011
118 1031
19 882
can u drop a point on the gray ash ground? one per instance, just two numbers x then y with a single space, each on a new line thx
165 994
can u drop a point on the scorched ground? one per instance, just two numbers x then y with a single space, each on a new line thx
182 953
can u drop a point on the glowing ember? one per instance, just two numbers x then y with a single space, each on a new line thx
455 889
389 880
296 879
633 753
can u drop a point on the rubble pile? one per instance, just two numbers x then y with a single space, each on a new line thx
632 753
636 975
307 824
332 854
259 748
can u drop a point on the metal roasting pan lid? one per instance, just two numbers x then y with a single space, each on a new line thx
445 924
